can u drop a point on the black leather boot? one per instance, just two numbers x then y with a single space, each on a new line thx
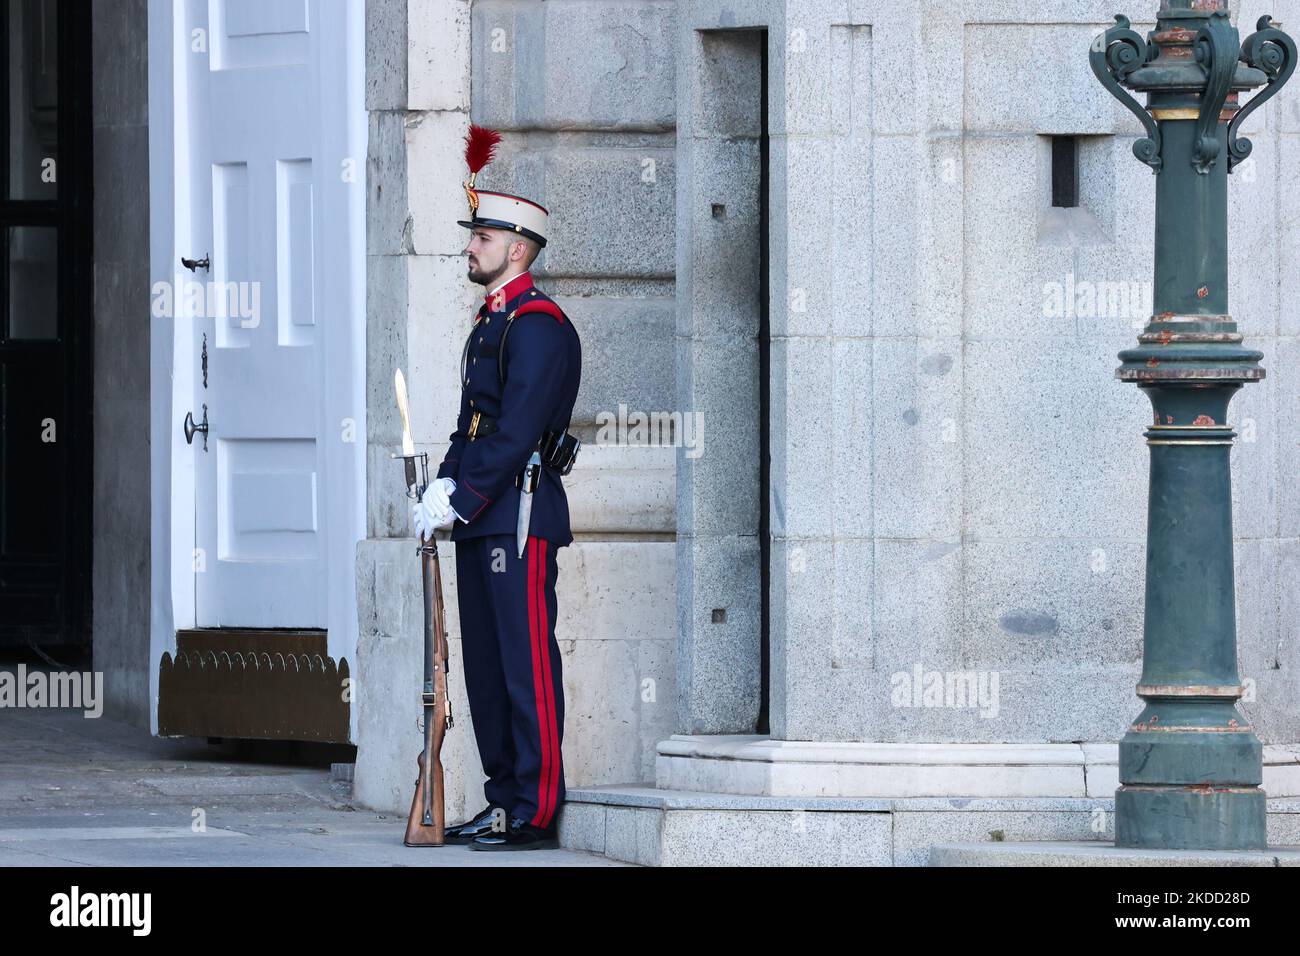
480 825
521 835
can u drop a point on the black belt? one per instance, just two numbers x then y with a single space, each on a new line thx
481 425
559 449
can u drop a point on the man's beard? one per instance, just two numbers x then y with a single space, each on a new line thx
488 279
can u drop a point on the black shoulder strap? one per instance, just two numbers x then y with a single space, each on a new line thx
536 305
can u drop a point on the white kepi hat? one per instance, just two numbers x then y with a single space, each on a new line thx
498 210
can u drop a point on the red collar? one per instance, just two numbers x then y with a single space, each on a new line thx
496 301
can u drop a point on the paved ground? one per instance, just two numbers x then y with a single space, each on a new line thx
94 792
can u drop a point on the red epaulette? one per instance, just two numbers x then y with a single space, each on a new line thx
541 305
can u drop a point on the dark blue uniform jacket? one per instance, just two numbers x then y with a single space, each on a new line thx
542 366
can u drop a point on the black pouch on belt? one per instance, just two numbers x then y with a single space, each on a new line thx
559 450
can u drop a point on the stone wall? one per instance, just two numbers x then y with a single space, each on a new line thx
958 482
121 582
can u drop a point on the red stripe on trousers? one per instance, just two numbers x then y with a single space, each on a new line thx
553 787
539 692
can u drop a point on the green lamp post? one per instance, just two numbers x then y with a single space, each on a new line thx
1190 766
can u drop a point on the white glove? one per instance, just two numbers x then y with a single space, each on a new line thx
439 492
425 518
428 514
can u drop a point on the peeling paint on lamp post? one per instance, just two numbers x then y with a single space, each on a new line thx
1190 766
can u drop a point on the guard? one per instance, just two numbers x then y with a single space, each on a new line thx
500 483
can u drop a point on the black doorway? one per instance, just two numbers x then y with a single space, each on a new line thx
45 323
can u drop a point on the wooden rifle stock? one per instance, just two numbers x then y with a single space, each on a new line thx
426 824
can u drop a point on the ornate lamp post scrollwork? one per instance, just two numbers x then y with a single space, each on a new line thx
1217 45
1115 55
1190 766
1274 53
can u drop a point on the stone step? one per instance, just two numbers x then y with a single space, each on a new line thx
638 823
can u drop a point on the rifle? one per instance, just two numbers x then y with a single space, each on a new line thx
426 823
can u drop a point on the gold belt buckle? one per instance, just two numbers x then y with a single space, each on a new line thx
473 425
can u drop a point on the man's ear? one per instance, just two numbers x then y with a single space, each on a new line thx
531 251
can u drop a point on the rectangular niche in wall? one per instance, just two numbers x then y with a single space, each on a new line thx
1076 189
722 376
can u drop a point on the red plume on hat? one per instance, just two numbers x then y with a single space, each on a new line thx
480 146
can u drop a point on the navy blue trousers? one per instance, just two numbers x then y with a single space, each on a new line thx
511 664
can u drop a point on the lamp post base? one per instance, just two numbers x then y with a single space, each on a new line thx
1202 817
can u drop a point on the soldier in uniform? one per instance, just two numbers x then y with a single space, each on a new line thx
520 372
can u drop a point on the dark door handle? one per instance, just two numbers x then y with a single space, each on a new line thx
193 264
191 428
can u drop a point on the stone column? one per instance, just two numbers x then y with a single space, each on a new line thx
417 94
122 551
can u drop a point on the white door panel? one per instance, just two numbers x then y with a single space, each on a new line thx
276 517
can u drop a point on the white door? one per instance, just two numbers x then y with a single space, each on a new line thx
276 204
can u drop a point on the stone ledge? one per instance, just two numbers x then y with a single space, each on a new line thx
1103 854
760 748
647 796
759 766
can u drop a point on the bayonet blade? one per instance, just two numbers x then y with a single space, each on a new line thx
526 504
403 406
